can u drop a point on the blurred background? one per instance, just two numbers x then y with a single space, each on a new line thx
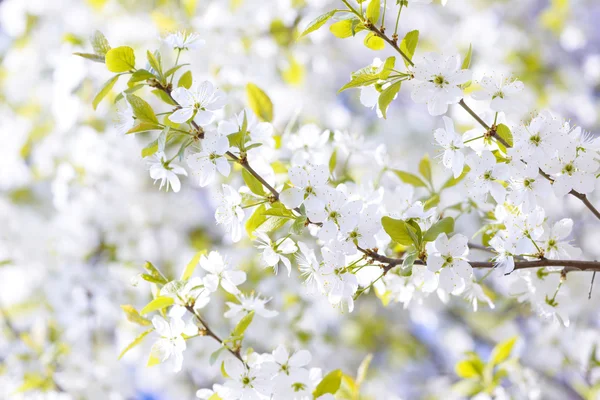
79 213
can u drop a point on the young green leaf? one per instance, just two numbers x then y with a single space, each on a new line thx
400 232
155 273
444 225
409 178
143 127
93 57
141 109
185 80
425 168
454 181
329 384
504 132
135 342
120 59
470 368
150 149
467 61
157 304
317 23
256 220
502 351
253 184
134 316
99 43
408 45
106 88
155 62
374 42
386 97
373 10
332 161
138 76
191 266
388 67
259 102
342 29
244 323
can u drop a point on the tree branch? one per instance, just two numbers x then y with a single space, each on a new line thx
210 333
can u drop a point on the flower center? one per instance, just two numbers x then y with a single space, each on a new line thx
440 81
568 169
298 386
535 139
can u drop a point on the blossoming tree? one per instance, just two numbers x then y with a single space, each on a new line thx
483 221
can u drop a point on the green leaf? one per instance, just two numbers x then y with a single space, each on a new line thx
444 225
140 75
330 384
409 178
99 43
163 96
468 388
342 29
171 71
502 351
144 127
120 59
191 266
155 273
298 226
373 10
141 109
241 326
135 342
256 219
454 181
374 42
157 304
185 80
358 80
152 360
408 45
467 61
106 88
388 67
281 211
134 316
253 184
317 23
361 374
425 167
504 132
400 231
93 57
386 97
332 161
215 355
155 62
431 202
259 102
468 368
150 149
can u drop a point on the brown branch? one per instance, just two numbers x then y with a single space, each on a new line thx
242 161
569 265
208 332
493 133
391 42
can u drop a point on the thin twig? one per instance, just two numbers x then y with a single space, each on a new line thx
213 335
